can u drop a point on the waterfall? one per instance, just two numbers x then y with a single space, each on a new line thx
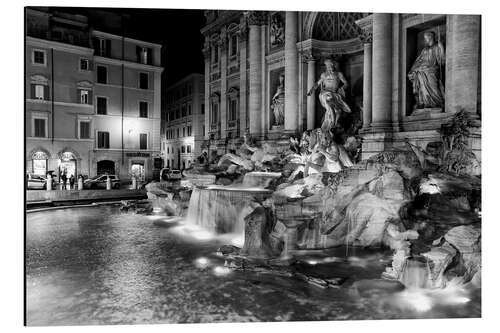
222 209
416 273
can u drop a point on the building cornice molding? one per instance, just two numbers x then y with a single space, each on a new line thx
325 48
98 33
44 43
128 64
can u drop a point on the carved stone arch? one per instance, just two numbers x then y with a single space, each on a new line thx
233 92
67 149
84 84
215 96
39 79
39 149
332 26
309 20
233 28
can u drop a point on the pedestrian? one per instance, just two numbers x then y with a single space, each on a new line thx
72 181
64 178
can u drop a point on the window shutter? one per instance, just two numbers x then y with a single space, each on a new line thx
95 43
138 53
46 95
108 47
90 97
32 91
91 65
150 56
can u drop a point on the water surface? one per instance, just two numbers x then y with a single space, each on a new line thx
96 265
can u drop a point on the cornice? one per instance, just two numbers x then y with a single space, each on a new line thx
44 43
128 64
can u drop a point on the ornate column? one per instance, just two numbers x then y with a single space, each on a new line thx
462 63
382 72
291 72
206 54
243 37
311 100
255 98
223 82
367 77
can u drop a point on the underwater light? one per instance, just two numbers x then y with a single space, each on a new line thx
221 271
202 262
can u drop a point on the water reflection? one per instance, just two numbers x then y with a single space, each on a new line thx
96 265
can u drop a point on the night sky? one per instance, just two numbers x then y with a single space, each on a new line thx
178 30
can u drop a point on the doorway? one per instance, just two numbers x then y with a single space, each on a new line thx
106 167
137 169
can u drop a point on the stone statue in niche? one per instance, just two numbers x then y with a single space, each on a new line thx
332 94
277 31
278 102
425 74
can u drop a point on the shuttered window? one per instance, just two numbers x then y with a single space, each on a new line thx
102 105
102 75
143 141
84 129
143 109
103 140
143 81
39 128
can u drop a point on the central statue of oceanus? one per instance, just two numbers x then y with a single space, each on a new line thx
332 94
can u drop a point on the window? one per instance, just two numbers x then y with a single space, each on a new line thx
234 45
84 64
215 113
189 109
203 109
84 129
183 149
102 75
39 128
102 105
184 131
103 140
177 132
189 148
38 57
39 91
143 80
102 47
143 109
84 97
183 111
189 130
232 109
203 130
143 141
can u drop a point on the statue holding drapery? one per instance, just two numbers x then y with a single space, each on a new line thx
278 102
332 84
425 74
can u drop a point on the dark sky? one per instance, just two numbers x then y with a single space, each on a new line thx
178 30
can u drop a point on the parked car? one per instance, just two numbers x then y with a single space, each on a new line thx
99 181
36 182
174 175
164 174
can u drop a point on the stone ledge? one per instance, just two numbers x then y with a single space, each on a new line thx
48 197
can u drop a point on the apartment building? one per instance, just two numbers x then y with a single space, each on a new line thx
92 99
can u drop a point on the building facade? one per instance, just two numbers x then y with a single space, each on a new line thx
184 132
92 99
253 58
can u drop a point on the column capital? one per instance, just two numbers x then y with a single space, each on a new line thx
366 25
308 56
256 18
